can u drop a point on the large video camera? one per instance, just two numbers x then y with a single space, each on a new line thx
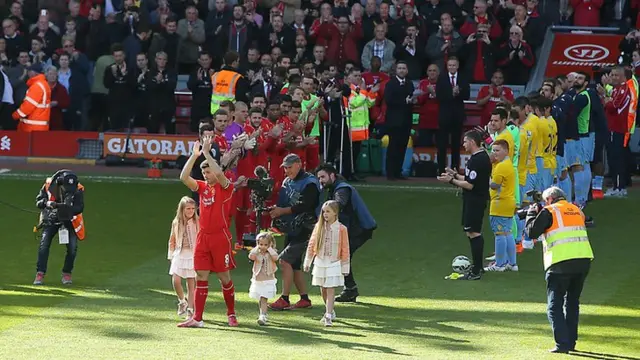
261 189
64 185
536 196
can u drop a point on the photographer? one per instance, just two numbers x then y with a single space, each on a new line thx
354 214
567 259
61 200
295 215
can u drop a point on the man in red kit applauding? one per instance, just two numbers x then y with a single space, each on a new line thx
213 251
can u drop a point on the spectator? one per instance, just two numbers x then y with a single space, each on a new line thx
342 41
239 35
97 38
18 77
161 86
99 94
491 95
370 19
251 63
385 15
59 100
411 53
200 86
73 76
374 76
5 60
6 107
143 100
15 10
83 7
191 33
452 89
286 8
217 19
302 53
80 21
628 44
15 41
431 11
137 43
167 41
298 24
37 55
277 34
251 15
480 16
409 18
163 9
635 62
325 17
444 44
479 55
319 55
515 57
458 11
429 108
532 27
121 84
381 47
532 8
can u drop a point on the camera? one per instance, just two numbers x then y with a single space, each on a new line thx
261 189
536 196
64 185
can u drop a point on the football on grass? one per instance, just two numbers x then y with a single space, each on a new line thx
461 264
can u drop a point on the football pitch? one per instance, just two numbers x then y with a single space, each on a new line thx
121 304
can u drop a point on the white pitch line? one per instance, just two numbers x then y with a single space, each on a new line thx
133 179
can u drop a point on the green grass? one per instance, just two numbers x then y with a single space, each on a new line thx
121 303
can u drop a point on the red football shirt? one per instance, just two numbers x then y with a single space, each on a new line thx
488 108
215 206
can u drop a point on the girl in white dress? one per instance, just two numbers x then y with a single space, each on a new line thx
263 279
328 250
182 241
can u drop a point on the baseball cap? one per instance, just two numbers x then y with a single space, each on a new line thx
290 159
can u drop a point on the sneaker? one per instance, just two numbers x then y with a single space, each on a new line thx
622 193
491 258
470 276
348 296
611 193
280 304
519 248
589 222
326 320
191 323
495 268
527 245
333 315
510 267
66 279
233 321
39 278
302 304
182 307
262 320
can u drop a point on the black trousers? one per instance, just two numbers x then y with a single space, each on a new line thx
563 307
164 117
6 121
334 134
451 128
355 242
398 141
616 156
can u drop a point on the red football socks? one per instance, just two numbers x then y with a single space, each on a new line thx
229 294
202 290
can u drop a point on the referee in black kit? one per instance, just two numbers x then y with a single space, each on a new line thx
475 195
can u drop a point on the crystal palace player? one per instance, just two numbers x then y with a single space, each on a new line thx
213 250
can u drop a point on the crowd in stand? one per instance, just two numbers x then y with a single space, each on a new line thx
74 42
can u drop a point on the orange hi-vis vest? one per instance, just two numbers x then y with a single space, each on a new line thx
224 88
633 105
34 112
566 238
77 221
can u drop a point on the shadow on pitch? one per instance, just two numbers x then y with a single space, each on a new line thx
603 356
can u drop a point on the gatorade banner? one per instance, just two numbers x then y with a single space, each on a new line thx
148 146
582 52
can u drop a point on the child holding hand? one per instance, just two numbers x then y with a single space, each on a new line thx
328 250
263 280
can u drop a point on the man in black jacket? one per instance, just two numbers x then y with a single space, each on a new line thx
121 83
398 94
452 89
200 86
61 200
161 86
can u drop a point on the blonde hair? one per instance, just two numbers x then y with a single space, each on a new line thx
321 224
266 236
179 222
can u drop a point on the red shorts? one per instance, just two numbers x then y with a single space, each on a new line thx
213 252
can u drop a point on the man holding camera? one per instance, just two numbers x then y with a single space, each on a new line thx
295 215
567 257
354 214
61 200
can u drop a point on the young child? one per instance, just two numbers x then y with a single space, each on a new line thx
263 280
182 241
328 249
